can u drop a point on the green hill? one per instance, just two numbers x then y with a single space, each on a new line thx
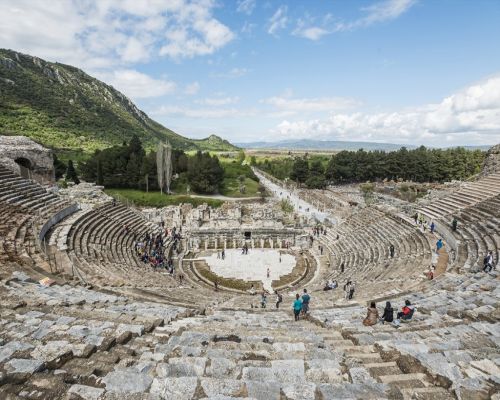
64 108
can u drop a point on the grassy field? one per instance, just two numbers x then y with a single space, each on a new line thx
156 199
231 188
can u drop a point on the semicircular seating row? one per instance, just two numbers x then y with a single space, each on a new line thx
363 247
24 206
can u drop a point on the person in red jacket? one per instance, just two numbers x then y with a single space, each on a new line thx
407 311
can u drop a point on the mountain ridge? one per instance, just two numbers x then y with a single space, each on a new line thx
63 107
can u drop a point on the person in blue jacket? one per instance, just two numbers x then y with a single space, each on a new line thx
297 306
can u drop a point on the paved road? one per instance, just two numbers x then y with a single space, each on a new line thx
300 206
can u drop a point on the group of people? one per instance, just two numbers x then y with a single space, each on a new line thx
349 289
301 305
151 251
373 317
330 285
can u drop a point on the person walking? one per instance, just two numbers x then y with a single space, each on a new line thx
342 266
488 262
223 254
391 250
454 224
439 245
297 307
279 299
263 300
433 226
305 302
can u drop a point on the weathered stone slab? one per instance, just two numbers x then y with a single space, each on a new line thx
182 388
127 381
85 392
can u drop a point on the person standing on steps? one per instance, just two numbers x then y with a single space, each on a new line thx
391 250
305 302
454 224
342 266
297 307
223 254
263 299
279 299
351 290
488 262
439 245
347 289
433 226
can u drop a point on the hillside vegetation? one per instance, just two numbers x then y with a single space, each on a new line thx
64 108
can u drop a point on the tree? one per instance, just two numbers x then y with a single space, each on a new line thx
241 156
100 176
59 167
262 190
253 161
241 180
205 174
164 166
300 170
71 173
316 179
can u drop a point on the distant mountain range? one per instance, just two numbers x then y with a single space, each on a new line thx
309 144
64 108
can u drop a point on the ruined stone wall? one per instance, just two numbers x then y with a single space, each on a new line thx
39 159
492 162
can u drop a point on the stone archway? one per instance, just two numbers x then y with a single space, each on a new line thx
25 167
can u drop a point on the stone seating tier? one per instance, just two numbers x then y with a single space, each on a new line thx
92 345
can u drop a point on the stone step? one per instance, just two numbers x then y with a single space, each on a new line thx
426 393
391 379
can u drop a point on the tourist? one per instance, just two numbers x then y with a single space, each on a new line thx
297 307
406 312
342 266
216 285
488 262
454 224
263 299
328 285
223 254
305 302
415 217
279 299
351 290
391 250
439 245
388 315
268 272
372 316
347 289
430 273
252 290
433 226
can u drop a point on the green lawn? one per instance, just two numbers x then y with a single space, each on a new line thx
156 199
231 188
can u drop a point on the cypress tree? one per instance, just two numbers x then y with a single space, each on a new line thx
71 173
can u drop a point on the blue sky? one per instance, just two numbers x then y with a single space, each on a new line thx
404 71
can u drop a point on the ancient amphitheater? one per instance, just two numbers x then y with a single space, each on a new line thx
84 317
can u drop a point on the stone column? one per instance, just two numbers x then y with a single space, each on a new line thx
206 243
271 241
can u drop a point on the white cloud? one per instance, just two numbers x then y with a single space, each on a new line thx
232 73
471 115
286 103
311 33
248 28
246 6
112 33
192 88
379 12
136 84
218 101
279 20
